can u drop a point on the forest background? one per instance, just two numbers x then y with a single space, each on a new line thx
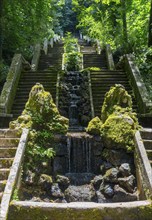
124 24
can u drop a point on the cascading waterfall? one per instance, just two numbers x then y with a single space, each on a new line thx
79 153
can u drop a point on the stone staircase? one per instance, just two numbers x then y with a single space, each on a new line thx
8 145
53 58
92 59
101 81
146 135
28 79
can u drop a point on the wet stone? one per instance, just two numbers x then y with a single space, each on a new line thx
56 191
107 190
120 195
111 175
63 181
97 181
125 169
84 193
128 183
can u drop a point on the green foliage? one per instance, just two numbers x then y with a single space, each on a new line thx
105 21
72 56
44 121
144 61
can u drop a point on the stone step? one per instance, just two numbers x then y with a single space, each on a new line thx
8 152
149 154
2 185
6 162
146 134
4 173
148 144
11 142
8 133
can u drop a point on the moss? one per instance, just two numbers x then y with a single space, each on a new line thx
42 117
94 126
117 96
119 129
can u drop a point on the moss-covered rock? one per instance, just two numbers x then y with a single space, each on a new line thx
42 117
117 96
119 129
94 126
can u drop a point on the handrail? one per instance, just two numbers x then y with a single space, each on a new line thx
111 65
143 166
36 57
91 98
10 86
13 175
140 91
57 89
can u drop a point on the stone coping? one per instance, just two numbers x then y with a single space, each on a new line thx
109 56
9 89
143 165
13 175
139 210
141 93
36 57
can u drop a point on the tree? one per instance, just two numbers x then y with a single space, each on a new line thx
150 28
1 32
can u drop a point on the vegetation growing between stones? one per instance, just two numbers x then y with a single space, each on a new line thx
118 123
44 121
72 56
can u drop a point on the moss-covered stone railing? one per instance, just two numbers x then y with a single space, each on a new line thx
36 57
140 91
11 84
14 175
143 169
26 210
111 65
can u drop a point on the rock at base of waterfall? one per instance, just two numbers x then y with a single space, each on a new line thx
84 193
107 190
111 175
63 181
125 169
56 191
128 183
120 195
97 181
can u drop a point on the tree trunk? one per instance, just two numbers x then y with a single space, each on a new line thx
124 20
1 31
150 28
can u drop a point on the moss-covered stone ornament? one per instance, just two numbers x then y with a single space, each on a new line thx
117 96
40 112
94 126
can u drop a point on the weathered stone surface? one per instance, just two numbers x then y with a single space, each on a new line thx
105 166
139 210
117 157
111 175
80 193
107 190
100 197
128 183
56 191
94 126
125 169
97 181
59 165
63 181
120 195
45 181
